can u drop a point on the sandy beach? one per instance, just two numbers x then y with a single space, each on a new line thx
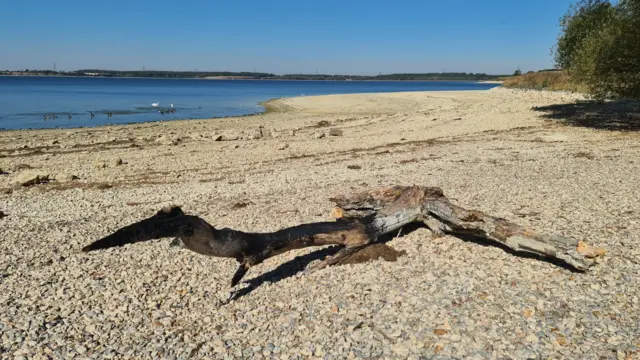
496 151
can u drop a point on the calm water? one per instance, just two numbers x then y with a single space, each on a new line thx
25 101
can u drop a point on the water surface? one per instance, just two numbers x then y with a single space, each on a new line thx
47 102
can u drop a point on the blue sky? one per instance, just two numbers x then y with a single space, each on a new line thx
347 37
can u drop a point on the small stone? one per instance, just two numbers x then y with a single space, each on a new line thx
165 140
614 340
440 332
217 138
81 349
100 165
306 352
525 353
231 137
318 135
401 349
31 178
65 177
549 138
531 338
20 167
117 161
335 132
283 146
218 343
561 340
357 335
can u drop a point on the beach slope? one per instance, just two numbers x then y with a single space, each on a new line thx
496 151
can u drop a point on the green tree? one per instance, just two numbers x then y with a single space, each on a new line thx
606 60
583 19
517 73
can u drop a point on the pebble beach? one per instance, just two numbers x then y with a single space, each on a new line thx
446 298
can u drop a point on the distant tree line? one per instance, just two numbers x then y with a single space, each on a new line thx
400 76
138 73
30 72
252 75
599 45
166 74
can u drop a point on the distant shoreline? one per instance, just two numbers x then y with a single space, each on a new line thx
249 78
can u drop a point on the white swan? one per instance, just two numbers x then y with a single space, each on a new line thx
172 106
155 104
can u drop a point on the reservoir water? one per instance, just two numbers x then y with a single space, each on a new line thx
48 102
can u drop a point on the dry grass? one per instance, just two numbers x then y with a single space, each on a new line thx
544 80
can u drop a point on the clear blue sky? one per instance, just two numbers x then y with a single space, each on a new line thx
347 36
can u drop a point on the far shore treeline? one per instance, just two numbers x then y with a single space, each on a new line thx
248 75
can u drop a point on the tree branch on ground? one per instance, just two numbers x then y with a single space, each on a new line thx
362 220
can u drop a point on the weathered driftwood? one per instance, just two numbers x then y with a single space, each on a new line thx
361 220
430 206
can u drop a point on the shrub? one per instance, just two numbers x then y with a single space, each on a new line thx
600 47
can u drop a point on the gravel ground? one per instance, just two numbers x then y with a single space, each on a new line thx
447 298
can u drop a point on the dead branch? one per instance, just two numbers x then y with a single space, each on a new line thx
361 220
443 217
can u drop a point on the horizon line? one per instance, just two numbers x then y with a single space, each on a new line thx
252 72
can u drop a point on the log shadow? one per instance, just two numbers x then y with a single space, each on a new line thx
285 270
617 115
486 242
299 263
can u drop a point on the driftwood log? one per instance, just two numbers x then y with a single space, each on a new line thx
361 220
